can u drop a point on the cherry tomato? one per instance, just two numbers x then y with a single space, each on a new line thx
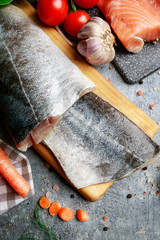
74 22
52 12
86 3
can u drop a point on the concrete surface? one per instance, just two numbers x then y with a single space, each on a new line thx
128 219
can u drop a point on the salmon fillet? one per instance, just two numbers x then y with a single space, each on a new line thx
133 21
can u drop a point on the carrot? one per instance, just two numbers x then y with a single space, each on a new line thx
82 216
44 202
66 214
9 172
54 208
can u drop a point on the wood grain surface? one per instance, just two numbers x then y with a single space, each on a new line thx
103 88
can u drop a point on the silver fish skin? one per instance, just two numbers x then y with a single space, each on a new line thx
95 143
37 80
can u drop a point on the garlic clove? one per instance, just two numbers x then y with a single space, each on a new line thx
90 30
101 23
102 57
95 27
96 42
90 47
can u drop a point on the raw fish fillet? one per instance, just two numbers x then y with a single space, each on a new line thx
133 21
95 143
38 83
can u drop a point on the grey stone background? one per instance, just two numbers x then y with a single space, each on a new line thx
128 219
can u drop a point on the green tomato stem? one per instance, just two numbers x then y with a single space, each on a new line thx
73 6
5 2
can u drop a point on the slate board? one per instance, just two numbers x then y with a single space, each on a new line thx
134 67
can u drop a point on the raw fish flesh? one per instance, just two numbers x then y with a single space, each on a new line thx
95 143
133 21
38 83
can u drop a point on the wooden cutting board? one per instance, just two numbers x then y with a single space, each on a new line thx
104 89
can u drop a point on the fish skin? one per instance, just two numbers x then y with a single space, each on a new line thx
36 79
133 21
95 143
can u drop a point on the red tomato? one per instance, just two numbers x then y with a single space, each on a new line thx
52 12
86 3
74 22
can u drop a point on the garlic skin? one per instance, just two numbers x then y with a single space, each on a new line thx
96 42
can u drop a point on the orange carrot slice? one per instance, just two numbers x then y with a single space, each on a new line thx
44 202
66 214
9 172
54 208
82 216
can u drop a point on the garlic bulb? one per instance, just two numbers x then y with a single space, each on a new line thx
96 42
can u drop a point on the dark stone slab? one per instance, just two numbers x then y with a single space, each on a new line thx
134 67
